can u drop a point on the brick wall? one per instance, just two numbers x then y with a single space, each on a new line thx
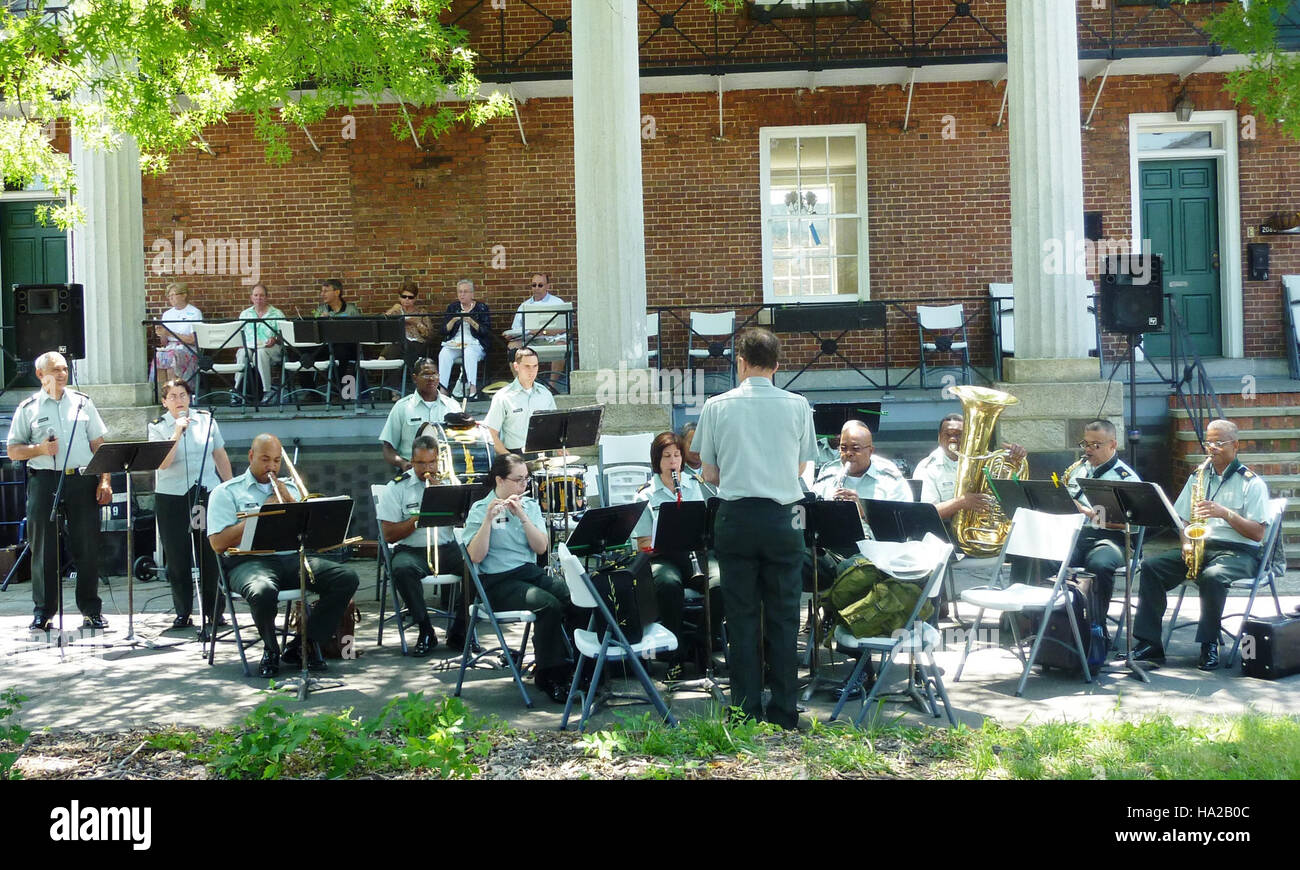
373 211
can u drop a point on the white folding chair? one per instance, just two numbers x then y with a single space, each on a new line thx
1033 535
1291 284
1268 573
380 367
429 583
609 643
717 333
623 464
481 609
294 366
916 639
549 348
949 321
217 338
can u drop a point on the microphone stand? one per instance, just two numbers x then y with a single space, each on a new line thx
54 518
196 563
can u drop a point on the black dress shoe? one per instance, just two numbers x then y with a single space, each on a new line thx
39 623
428 640
1209 660
1146 651
292 656
97 622
182 622
554 683
457 642
270 665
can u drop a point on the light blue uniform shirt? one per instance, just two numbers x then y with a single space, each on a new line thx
408 415
240 494
881 480
39 416
195 449
401 499
656 493
508 542
757 436
512 408
1112 469
1244 492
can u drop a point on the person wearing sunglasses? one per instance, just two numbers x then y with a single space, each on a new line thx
466 326
504 535
418 329
540 287
1234 506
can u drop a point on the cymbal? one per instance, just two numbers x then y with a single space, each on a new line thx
538 464
561 461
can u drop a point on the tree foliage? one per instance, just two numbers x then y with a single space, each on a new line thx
1270 83
161 71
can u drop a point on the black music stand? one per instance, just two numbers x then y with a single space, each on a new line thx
353 331
684 527
318 524
1046 496
443 506
1139 503
832 525
904 520
604 528
560 430
130 456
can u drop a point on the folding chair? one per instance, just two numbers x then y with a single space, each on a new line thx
1291 284
623 466
707 328
428 583
215 338
610 642
547 347
294 366
949 321
1269 572
916 639
1002 308
382 367
287 596
481 608
1033 535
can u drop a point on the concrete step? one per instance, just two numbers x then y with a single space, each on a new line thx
1249 435
1269 465
1270 410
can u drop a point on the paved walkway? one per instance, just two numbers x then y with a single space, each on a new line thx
95 689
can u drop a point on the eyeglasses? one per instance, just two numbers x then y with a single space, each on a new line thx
853 448
539 284
428 376
406 296
1090 445
1218 445
523 479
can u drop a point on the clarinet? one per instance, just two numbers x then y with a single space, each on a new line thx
697 576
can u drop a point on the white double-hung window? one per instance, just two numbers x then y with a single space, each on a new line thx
814 208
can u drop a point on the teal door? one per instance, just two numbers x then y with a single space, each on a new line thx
30 253
1180 215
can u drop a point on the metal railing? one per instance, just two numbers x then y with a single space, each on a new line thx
1190 381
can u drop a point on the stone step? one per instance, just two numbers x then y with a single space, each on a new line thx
1249 435
1256 410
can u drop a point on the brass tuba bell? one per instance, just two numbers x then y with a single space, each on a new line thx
982 532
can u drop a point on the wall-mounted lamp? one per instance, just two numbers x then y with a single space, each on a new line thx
1183 108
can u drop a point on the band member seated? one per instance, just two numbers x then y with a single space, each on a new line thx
513 405
859 474
1100 548
425 405
1232 501
54 428
195 466
691 463
938 472
259 579
412 547
504 535
672 569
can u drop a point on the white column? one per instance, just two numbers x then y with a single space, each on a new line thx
108 260
607 169
1046 179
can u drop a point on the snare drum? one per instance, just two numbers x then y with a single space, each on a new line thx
561 490
471 451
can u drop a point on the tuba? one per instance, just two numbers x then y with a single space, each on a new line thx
982 532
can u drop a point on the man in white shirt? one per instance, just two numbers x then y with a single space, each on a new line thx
513 406
553 333
262 338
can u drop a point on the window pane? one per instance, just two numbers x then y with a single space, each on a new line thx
844 235
846 275
1175 140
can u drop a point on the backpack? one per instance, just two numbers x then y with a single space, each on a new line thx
870 603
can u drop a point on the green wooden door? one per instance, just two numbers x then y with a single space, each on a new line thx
1180 215
30 253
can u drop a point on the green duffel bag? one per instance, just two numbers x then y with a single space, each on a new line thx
870 603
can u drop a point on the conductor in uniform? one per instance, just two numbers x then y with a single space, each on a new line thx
1234 505
752 441
42 435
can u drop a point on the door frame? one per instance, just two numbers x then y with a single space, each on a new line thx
1232 320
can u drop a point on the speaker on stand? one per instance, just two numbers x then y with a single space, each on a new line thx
1133 303
49 317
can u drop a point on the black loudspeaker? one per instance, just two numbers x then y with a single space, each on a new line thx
48 317
1133 295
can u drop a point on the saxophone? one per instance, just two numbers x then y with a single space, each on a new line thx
1065 475
982 532
1196 531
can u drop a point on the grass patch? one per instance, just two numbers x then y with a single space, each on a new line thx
12 734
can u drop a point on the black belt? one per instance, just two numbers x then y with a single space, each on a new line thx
68 471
